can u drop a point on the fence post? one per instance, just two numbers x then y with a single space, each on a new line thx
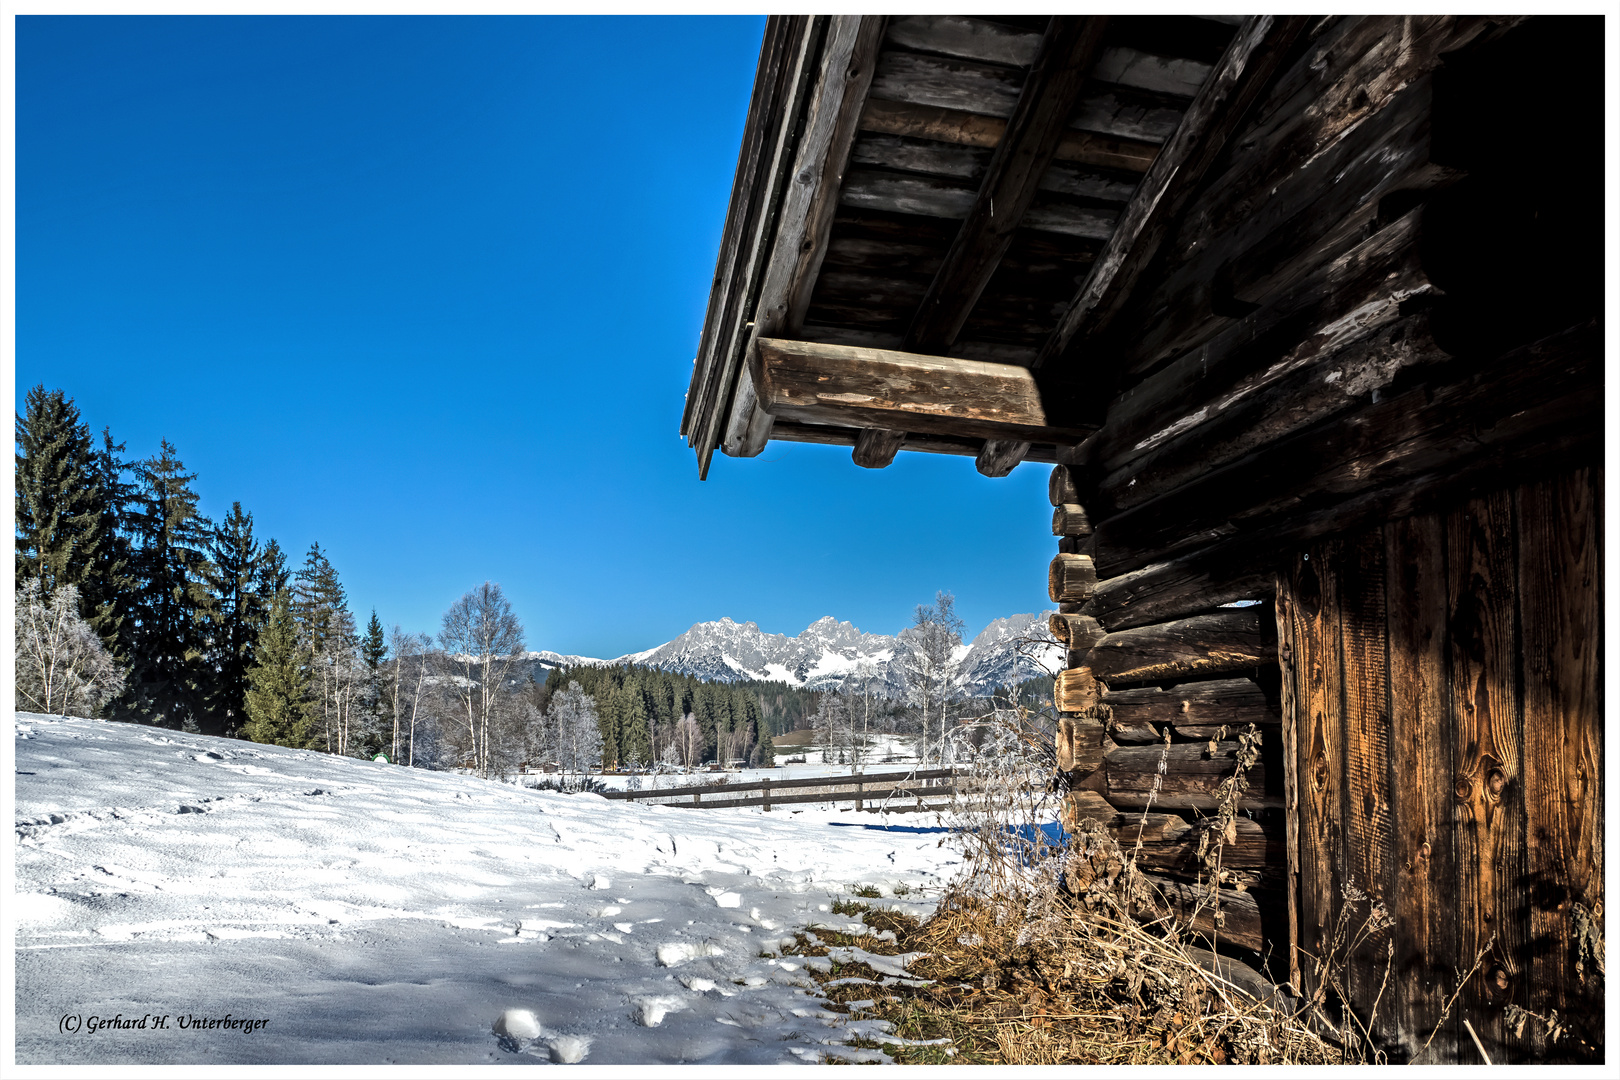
765 786
697 798
860 790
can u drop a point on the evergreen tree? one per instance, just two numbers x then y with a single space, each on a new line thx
326 634
61 524
170 642
376 701
108 594
273 576
278 682
239 612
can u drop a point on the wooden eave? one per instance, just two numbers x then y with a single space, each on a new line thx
954 189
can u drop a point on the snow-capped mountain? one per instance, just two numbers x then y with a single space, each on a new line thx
827 652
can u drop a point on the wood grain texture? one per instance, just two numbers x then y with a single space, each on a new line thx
973 129
1075 631
1222 99
1364 646
1069 519
850 386
1488 811
1560 597
1172 590
998 457
1075 691
1200 646
805 219
1191 778
875 447
1232 702
1070 578
1034 129
1060 486
1426 943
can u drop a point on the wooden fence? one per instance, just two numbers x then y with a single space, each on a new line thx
886 790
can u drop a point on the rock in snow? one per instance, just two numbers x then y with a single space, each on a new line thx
369 913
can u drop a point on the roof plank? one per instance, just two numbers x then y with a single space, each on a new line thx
1249 62
1033 133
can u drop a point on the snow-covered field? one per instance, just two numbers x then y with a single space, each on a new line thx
371 913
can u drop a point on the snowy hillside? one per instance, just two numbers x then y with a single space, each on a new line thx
377 914
828 651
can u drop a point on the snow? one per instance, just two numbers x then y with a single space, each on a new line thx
377 914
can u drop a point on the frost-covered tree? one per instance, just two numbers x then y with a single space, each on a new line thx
61 665
572 723
928 664
413 664
482 641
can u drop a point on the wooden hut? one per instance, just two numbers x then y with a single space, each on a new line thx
1305 313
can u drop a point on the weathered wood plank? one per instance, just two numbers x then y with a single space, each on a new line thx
1122 114
966 38
824 435
1266 360
1290 661
850 386
1172 590
900 193
1540 399
1316 671
1125 66
781 77
1170 843
1560 567
1486 763
964 163
973 129
1231 917
1316 215
1367 843
1234 703
1070 578
1222 100
1190 781
804 223
947 83
1426 952
1034 129
1203 645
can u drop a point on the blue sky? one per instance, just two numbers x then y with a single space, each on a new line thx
427 291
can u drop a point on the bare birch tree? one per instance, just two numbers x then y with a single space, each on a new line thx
412 664
930 668
482 642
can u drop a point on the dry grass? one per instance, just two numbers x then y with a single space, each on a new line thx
1038 960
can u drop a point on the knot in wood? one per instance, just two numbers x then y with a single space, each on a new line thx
1496 779
1500 977
1463 788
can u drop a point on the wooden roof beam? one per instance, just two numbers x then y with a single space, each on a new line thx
1254 56
1024 150
1037 124
805 223
886 390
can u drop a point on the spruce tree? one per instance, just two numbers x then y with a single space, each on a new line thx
239 614
59 524
375 703
170 680
278 682
326 633
108 593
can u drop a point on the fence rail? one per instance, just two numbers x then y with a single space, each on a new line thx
882 788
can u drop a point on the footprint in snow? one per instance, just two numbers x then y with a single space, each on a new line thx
519 1031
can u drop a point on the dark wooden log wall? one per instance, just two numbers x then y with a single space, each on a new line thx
1327 356
1174 693
1443 680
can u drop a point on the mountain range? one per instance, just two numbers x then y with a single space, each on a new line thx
827 652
